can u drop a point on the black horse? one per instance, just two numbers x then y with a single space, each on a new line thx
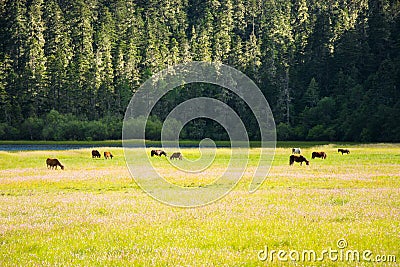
95 154
296 158
158 153
343 151
318 155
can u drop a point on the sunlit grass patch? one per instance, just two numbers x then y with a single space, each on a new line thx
94 213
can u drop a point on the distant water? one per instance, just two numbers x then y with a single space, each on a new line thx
38 147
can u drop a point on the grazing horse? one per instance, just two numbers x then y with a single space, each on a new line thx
158 153
51 163
108 155
319 155
95 154
295 158
296 150
176 155
343 151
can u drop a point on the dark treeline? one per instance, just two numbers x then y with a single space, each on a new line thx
330 69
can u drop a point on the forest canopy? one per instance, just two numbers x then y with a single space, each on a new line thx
330 69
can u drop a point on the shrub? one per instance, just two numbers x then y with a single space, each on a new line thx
31 129
8 132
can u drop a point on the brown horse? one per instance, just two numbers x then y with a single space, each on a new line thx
108 155
318 155
176 155
296 158
51 163
343 151
158 153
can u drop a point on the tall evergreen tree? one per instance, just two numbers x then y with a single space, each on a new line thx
36 73
104 69
59 53
311 97
16 37
201 42
223 30
81 71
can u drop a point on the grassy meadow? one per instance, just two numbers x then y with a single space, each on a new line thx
93 212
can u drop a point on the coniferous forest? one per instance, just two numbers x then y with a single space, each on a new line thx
330 69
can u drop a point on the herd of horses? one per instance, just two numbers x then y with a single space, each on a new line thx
158 152
96 154
54 163
300 159
295 157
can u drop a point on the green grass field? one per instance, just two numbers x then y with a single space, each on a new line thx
93 212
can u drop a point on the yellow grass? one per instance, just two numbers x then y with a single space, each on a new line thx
93 212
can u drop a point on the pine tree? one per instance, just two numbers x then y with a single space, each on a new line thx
36 72
239 18
174 55
378 31
319 50
153 59
301 25
129 26
201 38
223 30
237 57
59 53
178 26
15 44
5 101
252 56
104 69
311 97
280 42
128 59
81 80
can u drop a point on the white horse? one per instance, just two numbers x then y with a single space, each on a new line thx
296 150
